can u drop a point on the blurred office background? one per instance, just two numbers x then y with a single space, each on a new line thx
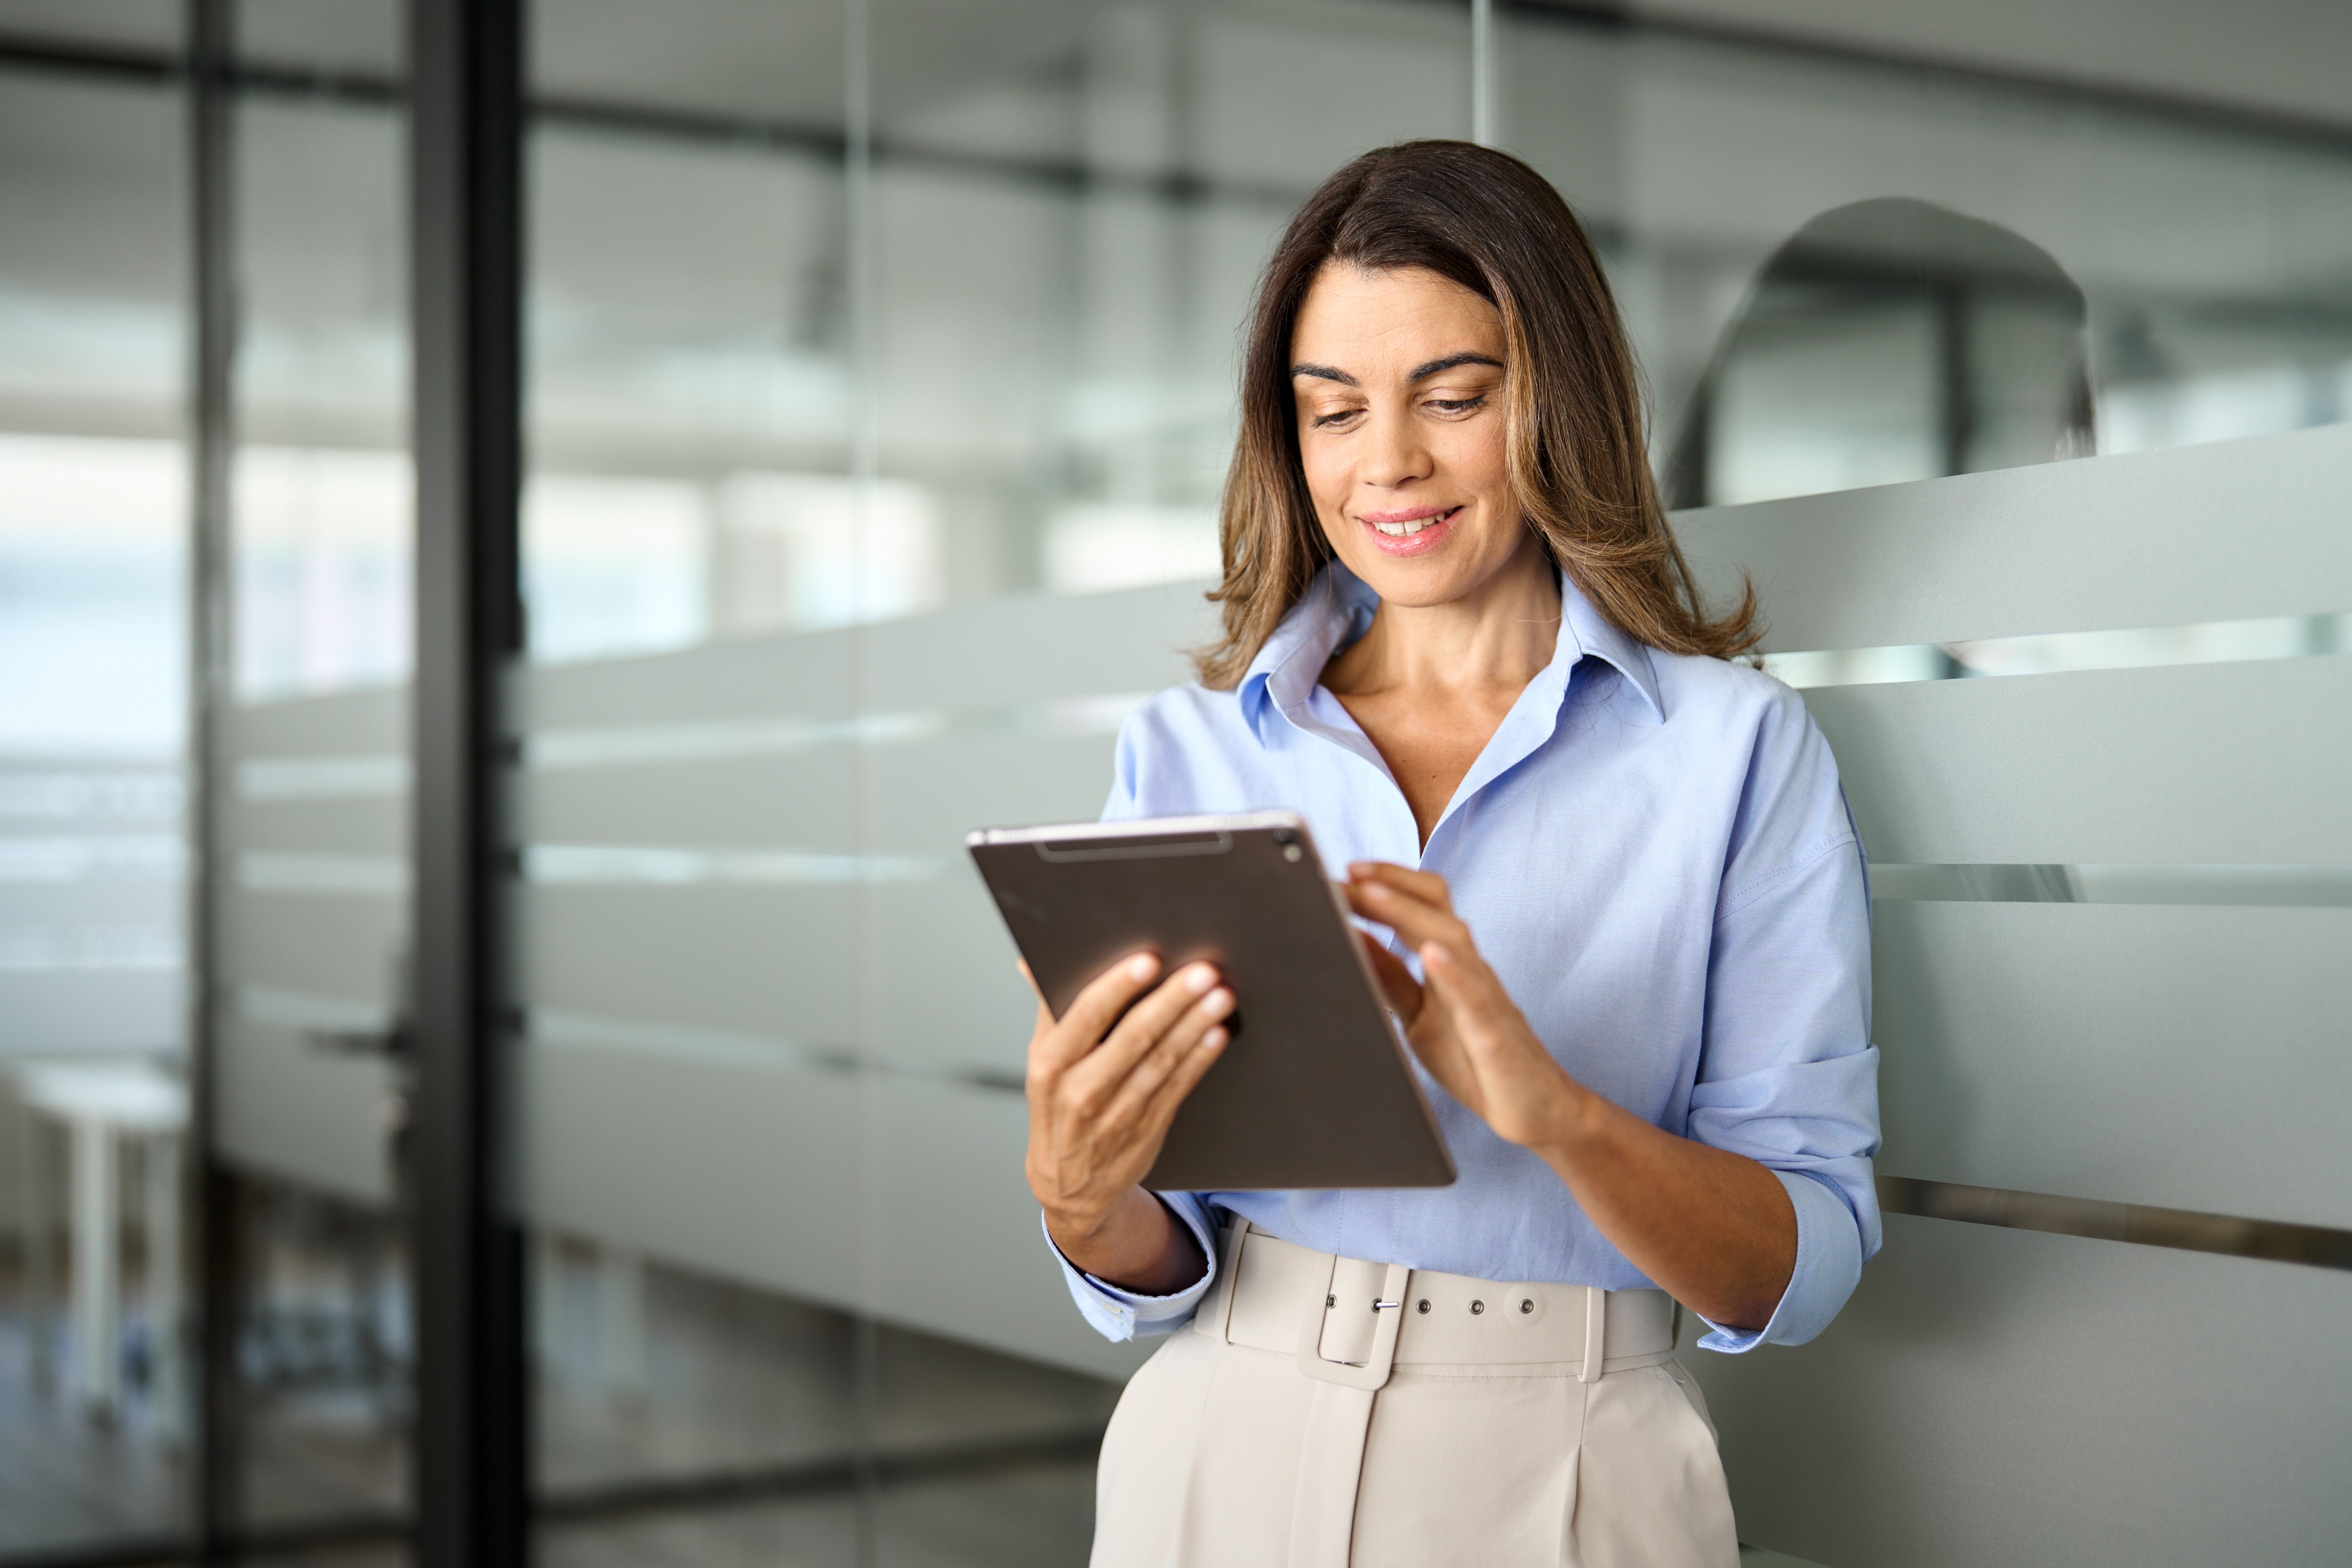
877 388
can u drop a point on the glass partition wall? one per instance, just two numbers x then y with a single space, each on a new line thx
878 383
877 419
93 697
853 399
313 799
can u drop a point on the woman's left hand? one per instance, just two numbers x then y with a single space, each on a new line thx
1460 1021
1714 1229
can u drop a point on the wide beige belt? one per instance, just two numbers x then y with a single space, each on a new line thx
1350 1321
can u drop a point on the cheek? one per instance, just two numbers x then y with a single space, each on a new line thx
1326 472
1478 456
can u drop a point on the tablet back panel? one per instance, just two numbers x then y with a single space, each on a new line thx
1315 1091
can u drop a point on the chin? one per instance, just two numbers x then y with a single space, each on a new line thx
1457 567
1413 584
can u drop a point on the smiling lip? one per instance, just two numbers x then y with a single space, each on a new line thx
1409 532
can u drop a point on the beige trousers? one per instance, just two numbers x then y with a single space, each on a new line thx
1329 1413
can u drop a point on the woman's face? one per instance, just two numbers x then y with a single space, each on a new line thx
1399 383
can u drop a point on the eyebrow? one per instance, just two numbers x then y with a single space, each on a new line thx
1452 361
1420 373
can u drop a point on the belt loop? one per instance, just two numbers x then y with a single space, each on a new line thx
1230 1263
1596 1334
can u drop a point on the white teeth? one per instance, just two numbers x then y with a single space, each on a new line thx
1406 531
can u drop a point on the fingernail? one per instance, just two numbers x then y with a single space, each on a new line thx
1142 964
1218 1004
1376 889
1214 1040
1200 977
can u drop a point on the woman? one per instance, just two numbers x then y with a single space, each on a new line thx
1625 923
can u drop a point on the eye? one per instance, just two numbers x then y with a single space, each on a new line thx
1335 418
1457 404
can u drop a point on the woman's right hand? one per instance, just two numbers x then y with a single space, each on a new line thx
1101 1097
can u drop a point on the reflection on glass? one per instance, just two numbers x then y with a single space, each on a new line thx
314 789
658 1384
322 485
325 1356
2217 302
834 427
359 40
1889 340
93 692
688 405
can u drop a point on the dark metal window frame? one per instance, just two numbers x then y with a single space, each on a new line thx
471 1441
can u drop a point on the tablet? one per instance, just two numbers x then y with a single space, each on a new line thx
1315 1089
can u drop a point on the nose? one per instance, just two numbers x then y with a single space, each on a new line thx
1396 456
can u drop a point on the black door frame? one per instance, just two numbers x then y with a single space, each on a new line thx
465 128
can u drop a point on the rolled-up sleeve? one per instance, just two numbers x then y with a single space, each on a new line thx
1118 1315
1787 1074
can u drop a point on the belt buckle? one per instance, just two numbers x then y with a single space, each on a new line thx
1369 1375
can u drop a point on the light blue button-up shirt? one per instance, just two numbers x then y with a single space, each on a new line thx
1654 854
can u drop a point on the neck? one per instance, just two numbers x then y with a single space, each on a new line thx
1493 639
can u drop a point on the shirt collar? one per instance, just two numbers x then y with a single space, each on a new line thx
1336 610
1596 634
1338 607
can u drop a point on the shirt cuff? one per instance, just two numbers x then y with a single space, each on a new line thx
1118 1315
1829 1266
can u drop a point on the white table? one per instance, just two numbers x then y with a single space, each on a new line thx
101 1104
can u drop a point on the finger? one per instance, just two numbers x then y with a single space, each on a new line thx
1398 986
1425 885
1414 918
1042 1064
1168 1054
1097 1079
1169 1097
1096 1008
1469 992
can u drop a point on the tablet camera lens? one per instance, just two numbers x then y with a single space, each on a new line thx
1293 853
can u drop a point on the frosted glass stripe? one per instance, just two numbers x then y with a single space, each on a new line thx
2265 886
81 793
616 865
366 776
2230 531
308 1010
2044 1399
639 745
274 871
2221 765
560 1027
2211 643
2141 1225
2176 1055
135 857
555 1027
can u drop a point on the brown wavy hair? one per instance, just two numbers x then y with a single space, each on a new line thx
1577 452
